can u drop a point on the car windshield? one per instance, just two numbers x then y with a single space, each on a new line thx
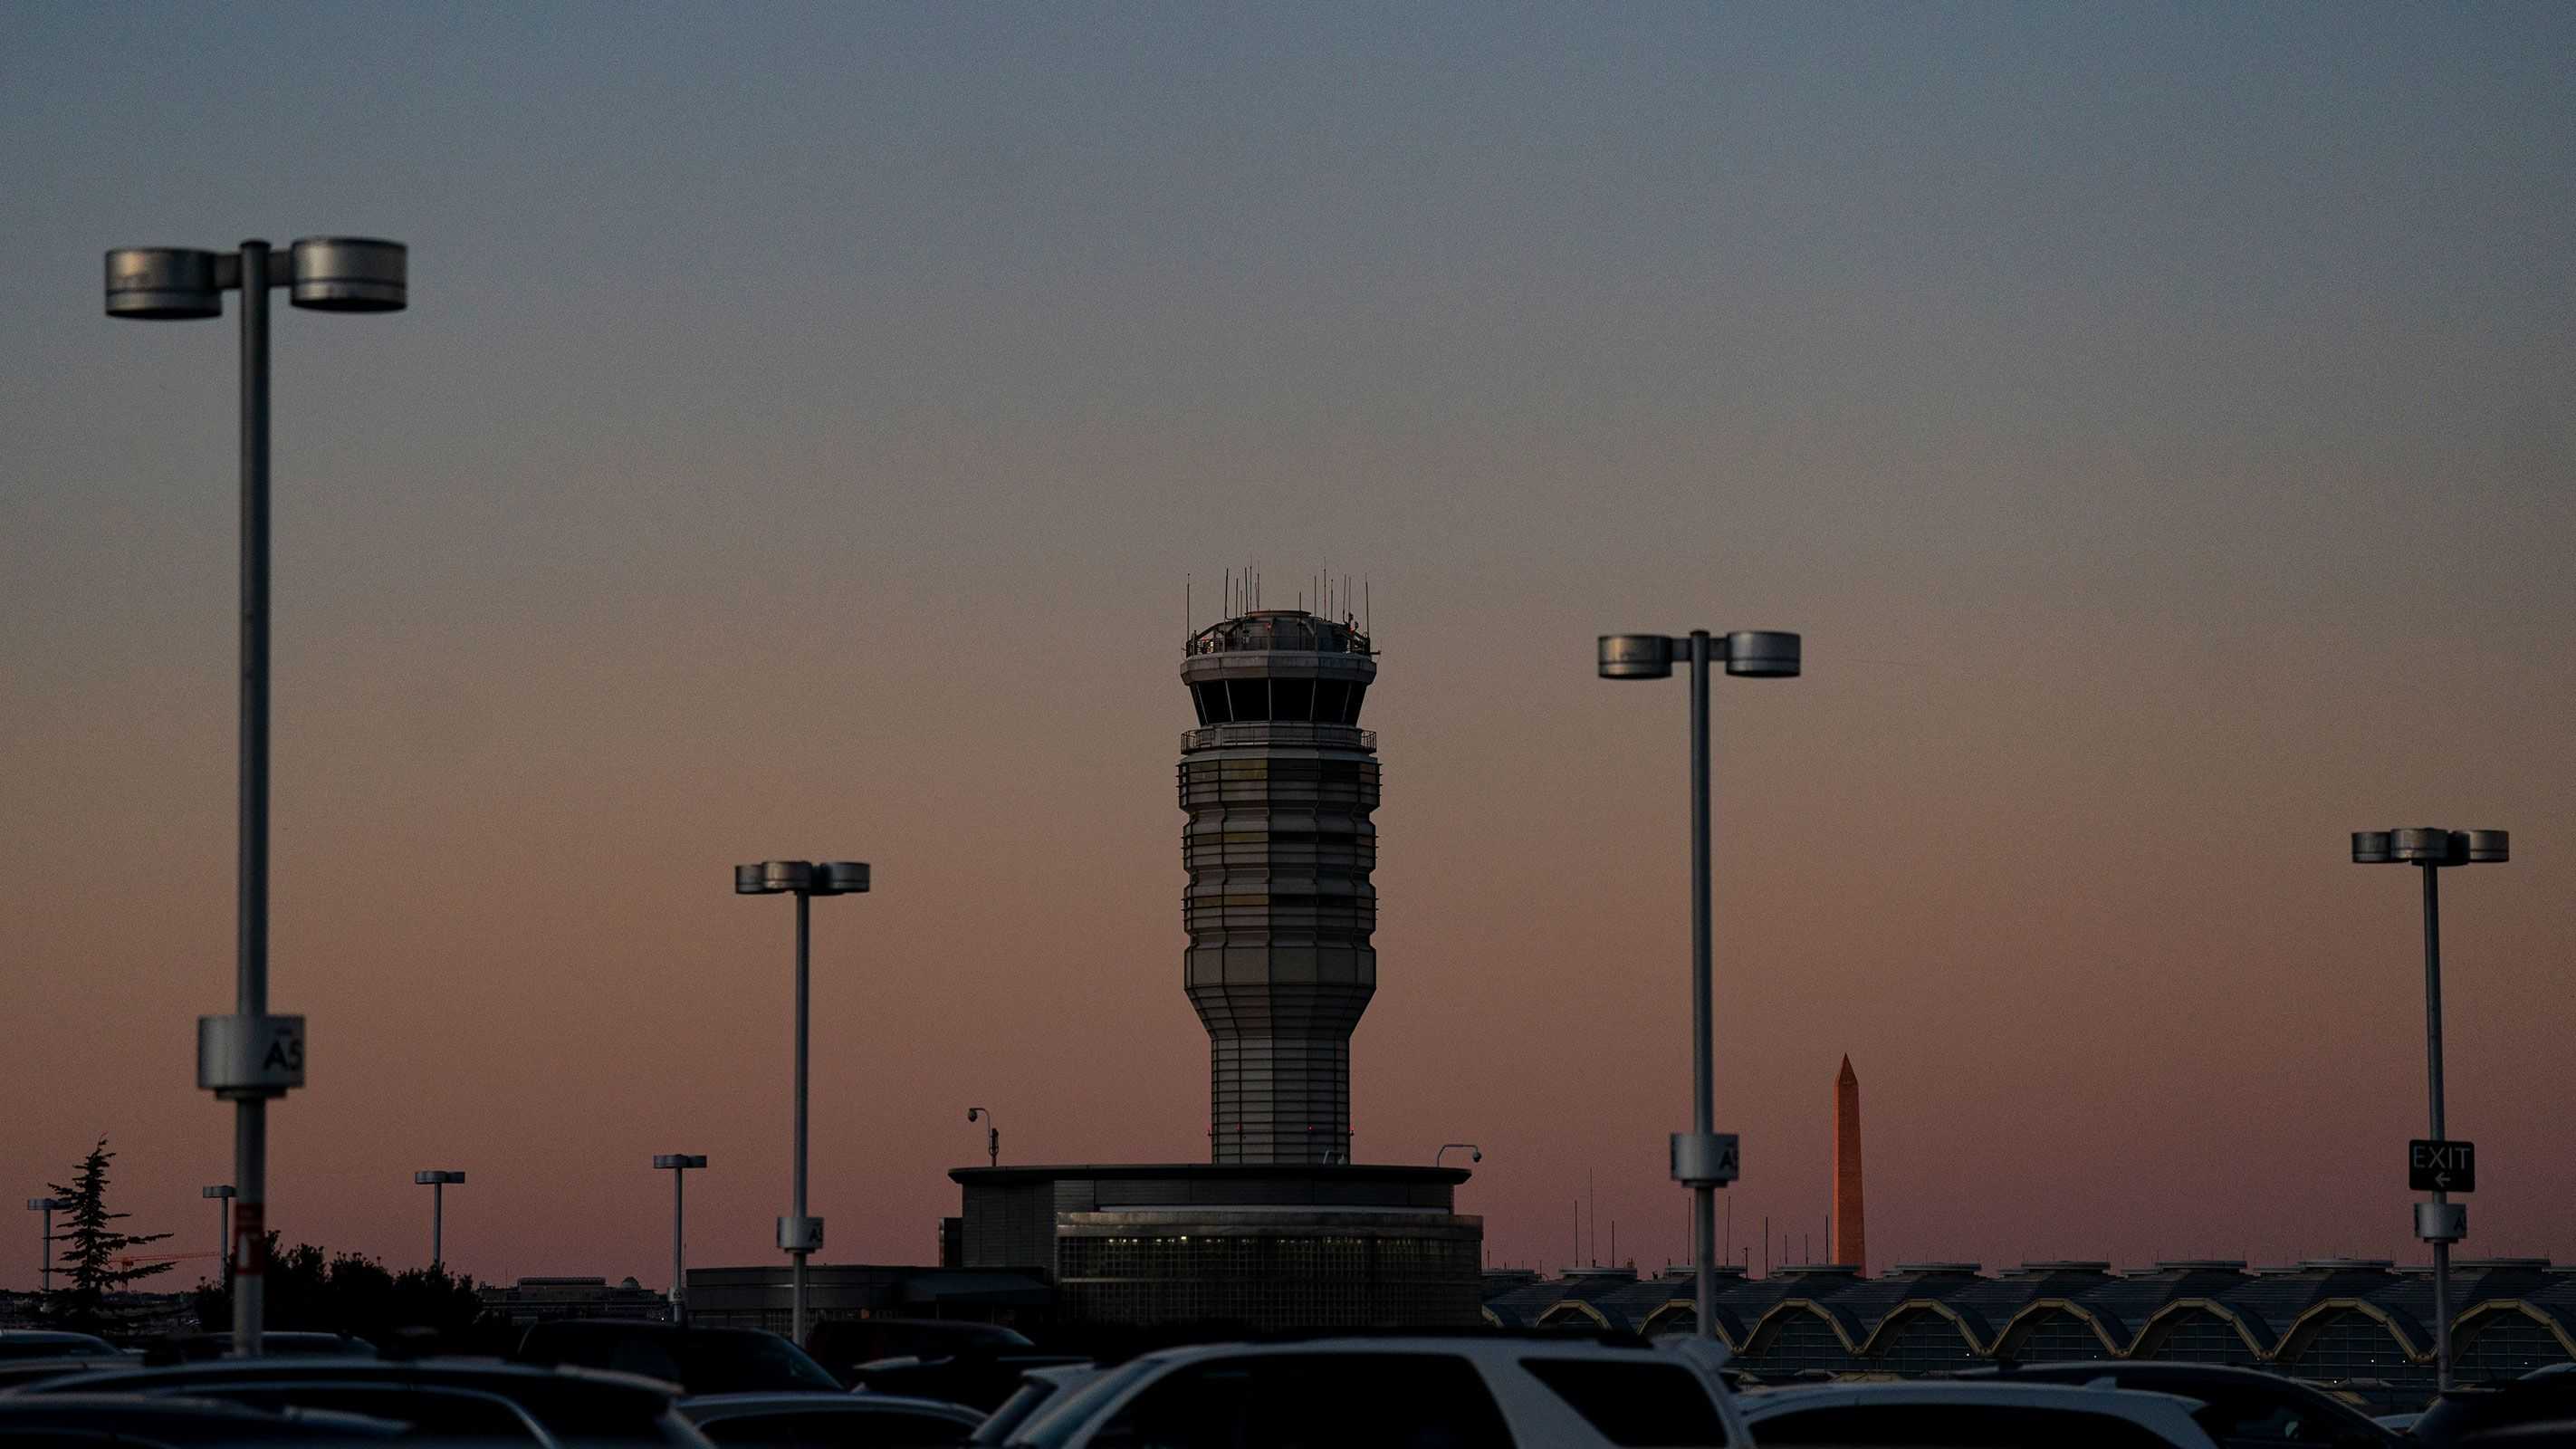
1060 1417
1015 1411
719 1363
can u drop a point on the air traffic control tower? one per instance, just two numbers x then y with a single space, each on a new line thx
1278 781
1281 1230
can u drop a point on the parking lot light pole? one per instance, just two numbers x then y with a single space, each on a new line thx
2439 1221
678 1164
437 1182
799 1235
250 1056
1701 1160
45 1254
222 1193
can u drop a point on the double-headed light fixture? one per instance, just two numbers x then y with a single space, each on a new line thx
45 1245
2440 1221
678 1164
799 1235
1702 1160
221 1194
436 1181
248 1057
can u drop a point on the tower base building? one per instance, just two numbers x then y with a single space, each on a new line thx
1256 1247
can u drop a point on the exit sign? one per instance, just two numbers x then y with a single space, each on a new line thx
2436 1166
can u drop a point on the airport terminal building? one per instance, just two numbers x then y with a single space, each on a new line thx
2364 1323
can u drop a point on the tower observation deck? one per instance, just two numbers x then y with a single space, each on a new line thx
1278 782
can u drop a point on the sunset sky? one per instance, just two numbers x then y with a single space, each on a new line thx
2159 420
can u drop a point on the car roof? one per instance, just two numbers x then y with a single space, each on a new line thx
1478 1346
1767 1402
705 1408
126 1410
2074 1369
325 1368
46 1335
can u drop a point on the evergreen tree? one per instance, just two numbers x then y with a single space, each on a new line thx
92 1248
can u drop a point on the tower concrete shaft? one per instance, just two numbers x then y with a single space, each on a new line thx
1851 1237
1278 782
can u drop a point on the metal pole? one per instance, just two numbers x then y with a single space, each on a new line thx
796 1272
437 1224
679 1255
1703 1077
2433 1083
224 1237
250 1114
45 1255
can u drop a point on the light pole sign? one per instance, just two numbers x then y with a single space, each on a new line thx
2437 1166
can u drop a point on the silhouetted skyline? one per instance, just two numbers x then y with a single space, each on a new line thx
2157 421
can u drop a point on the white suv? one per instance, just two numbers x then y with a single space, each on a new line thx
1402 1392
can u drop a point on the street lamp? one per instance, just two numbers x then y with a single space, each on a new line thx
45 1245
1702 1160
678 1164
222 1193
250 1056
437 1182
800 1236
2439 1222
1474 1152
992 1133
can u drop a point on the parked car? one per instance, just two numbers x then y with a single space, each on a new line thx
839 1421
281 1343
24 1343
126 1422
2538 1409
426 1410
574 1407
699 1360
1038 1388
1462 1390
972 1376
1919 1413
2239 1406
14 1372
840 1344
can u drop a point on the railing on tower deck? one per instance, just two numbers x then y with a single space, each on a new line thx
1280 732
1285 631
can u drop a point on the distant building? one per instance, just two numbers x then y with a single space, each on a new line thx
545 1300
1259 1246
2363 1324
758 1297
